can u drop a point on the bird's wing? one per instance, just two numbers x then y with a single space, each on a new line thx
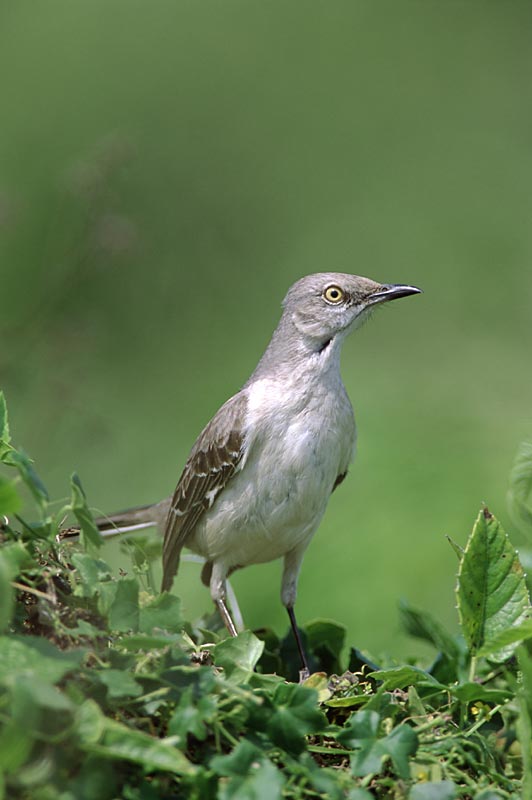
214 459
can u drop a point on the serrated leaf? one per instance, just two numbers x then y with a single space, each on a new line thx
491 591
124 610
423 625
442 790
456 547
90 536
238 656
296 715
400 677
163 612
111 739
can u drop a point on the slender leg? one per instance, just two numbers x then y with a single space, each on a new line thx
304 672
292 565
226 616
217 587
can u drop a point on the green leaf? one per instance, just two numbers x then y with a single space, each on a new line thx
238 656
111 739
119 683
442 790
35 656
423 625
524 721
491 591
510 636
474 692
91 574
6 594
90 536
192 715
263 780
296 715
5 438
124 611
9 500
521 488
326 639
164 613
143 641
24 465
399 745
251 776
238 762
458 549
16 557
43 694
400 677
361 734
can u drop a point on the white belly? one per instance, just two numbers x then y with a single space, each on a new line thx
276 501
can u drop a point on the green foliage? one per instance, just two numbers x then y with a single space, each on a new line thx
491 592
520 490
105 691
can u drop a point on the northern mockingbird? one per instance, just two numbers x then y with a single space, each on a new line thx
258 479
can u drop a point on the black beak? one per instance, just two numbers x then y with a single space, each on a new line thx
391 291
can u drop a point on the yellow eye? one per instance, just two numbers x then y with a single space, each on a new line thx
333 294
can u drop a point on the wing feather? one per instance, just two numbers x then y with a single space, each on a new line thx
213 460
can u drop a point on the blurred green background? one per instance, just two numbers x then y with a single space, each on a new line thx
168 169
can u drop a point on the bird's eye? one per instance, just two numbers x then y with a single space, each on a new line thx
333 294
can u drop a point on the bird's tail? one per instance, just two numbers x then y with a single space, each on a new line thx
129 521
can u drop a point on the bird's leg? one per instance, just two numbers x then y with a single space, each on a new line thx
226 616
292 565
217 587
304 672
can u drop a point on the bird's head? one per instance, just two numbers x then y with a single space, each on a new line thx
326 304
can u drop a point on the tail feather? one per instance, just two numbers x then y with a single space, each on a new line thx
128 521
132 519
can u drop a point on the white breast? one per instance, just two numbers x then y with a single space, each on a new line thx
296 446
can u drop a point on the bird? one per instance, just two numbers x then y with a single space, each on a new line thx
259 476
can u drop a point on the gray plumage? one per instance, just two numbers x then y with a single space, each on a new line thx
258 479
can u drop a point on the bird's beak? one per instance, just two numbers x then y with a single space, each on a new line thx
391 291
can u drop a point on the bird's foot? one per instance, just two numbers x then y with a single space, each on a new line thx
303 674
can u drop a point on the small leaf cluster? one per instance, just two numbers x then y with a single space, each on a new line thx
106 692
